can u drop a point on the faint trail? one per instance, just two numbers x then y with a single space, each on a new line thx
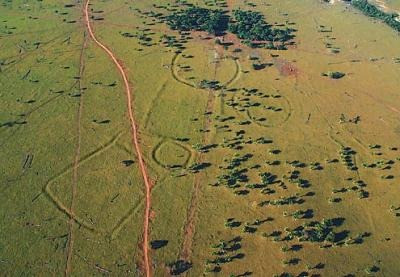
189 228
153 104
135 140
76 161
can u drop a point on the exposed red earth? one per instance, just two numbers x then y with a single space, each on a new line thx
135 140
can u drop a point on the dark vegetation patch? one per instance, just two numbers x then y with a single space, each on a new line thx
179 267
250 26
199 19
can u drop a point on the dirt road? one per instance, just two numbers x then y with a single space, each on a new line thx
135 141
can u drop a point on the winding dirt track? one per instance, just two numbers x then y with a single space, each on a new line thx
135 141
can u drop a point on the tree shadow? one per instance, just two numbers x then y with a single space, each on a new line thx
128 162
247 273
157 244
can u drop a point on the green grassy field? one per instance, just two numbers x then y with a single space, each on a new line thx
244 176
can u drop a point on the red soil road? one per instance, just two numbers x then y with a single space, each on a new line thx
135 141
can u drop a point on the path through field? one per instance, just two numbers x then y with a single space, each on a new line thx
135 141
189 228
76 159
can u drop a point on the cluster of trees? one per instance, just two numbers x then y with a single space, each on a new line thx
251 26
358 186
318 231
224 252
289 200
247 25
210 84
346 155
372 11
200 19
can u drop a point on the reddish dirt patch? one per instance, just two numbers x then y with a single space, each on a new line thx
231 38
202 37
286 68
229 3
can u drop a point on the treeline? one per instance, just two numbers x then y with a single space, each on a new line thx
247 25
372 11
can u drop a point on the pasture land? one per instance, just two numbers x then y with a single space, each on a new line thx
260 165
